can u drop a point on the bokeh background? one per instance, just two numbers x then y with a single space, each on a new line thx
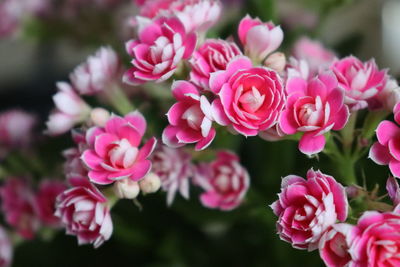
188 234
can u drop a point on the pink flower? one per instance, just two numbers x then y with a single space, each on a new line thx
360 81
161 46
258 38
213 55
73 164
83 210
387 98
387 150
334 245
6 249
224 180
98 73
250 98
308 207
174 168
113 151
313 107
70 110
17 205
190 118
298 68
45 201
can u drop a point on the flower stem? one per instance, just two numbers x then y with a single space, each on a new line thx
119 100
348 132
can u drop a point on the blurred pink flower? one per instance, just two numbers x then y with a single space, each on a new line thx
387 98
6 249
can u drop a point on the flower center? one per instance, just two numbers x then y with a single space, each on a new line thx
194 117
123 154
252 100
311 114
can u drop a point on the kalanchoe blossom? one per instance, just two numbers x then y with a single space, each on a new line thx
73 164
174 168
298 68
98 73
113 151
308 207
387 98
213 55
393 189
250 98
84 212
70 110
360 81
6 249
225 181
161 45
190 118
313 107
258 38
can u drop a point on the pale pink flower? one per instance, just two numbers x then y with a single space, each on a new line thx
387 98
16 128
98 73
70 110
161 45
113 151
308 207
225 181
250 98
298 68
84 212
73 164
213 55
259 38
313 107
175 169
393 189
360 81
6 249
190 118
45 201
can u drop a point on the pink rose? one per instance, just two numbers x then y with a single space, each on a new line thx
213 55
6 249
308 207
161 46
250 98
360 81
83 210
258 38
190 118
113 151
224 180
313 107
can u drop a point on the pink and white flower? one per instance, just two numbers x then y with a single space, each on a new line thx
161 45
387 98
308 207
213 55
224 180
313 107
6 249
83 210
259 38
251 99
190 118
113 151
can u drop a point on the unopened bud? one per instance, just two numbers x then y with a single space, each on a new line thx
126 188
99 116
150 183
276 61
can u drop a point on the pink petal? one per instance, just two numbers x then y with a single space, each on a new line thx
310 144
103 142
169 136
138 121
379 154
394 167
99 177
147 149
386 130
219 113
140 169
205 142
287 123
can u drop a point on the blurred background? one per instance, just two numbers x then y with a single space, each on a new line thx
42 52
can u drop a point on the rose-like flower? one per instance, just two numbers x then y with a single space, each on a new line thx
113 151
213 55
17 204
334 245
250 98
162 44
308 207
83 210
98 73
313 107
45 201
70 110
258 38
360 81
174 168
225 181
190 118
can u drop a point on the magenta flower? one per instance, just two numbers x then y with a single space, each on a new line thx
313 107
250 98
308 207
224 180
213 55
258 38
83 210
360 81
6 249
161 45
113 151
190 118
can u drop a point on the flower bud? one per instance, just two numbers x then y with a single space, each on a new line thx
126 188
99 116
276 61
150 183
